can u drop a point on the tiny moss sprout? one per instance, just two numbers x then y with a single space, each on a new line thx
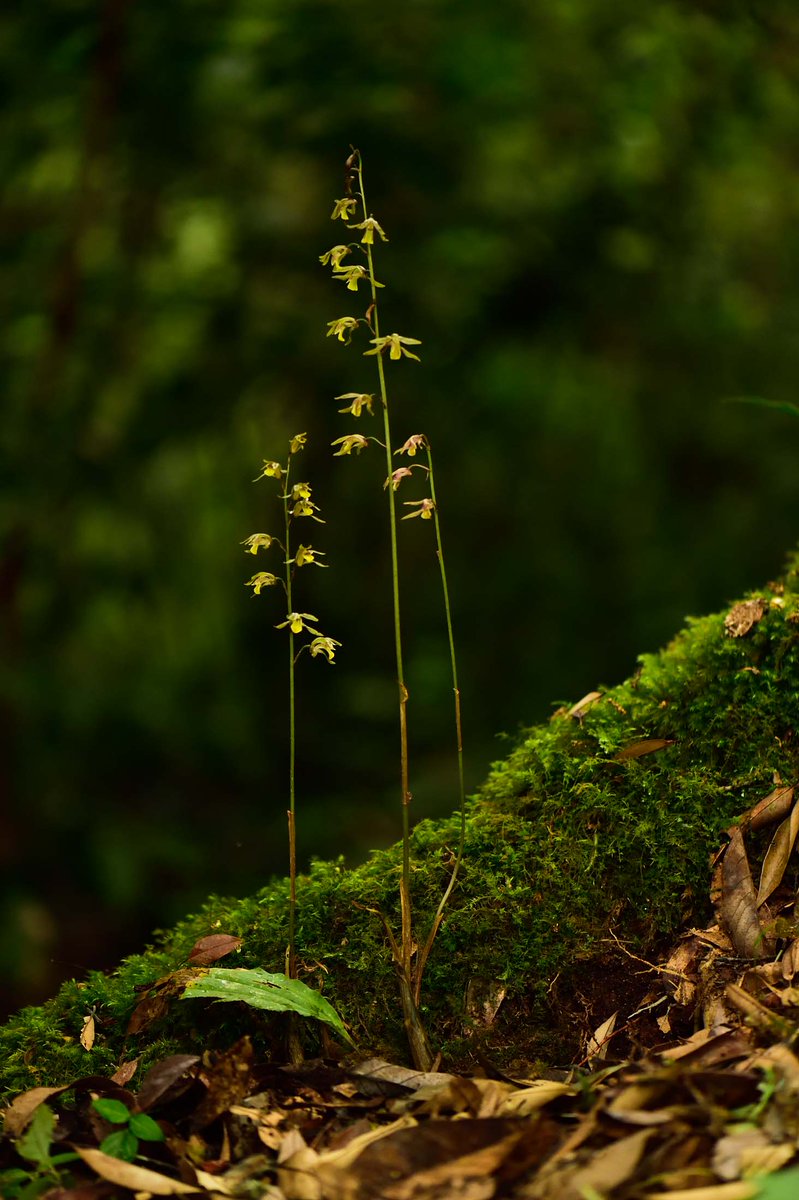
297 504
409 959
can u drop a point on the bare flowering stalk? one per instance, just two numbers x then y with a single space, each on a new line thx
392 347
297 505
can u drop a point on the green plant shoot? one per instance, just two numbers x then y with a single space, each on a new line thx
123 1143
393 347
296 505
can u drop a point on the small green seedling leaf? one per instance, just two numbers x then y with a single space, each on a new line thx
782 1185
146 1128
121 1144
260 989
35 1142
25 1188
112 1110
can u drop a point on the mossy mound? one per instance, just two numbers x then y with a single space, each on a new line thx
601 820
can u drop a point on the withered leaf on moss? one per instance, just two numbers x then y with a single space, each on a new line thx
777 855
740 619
647 746
215 946
770 809
738 900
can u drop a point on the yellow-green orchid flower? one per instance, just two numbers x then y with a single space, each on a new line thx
350 442
343 209
256 542
370 227
261 580
299 621
396 346
342 328
358 402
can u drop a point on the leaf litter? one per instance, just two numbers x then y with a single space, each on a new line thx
693 1096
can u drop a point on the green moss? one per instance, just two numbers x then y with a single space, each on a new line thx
567 838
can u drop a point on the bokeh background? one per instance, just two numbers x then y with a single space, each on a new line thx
593 210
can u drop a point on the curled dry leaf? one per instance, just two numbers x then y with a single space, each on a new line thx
135 1179
87 1033
215 946
20 1111
165 1079
758 1015
647 746
777 855
612 1166
738 900
790 961
579 709
599 1039
770 809
125 1073
749 1152
740 619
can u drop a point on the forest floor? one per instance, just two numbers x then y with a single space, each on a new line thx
694 1094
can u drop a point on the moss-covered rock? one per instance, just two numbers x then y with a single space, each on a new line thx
603 819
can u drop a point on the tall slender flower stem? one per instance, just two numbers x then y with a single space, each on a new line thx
428 945
291 956
417 1038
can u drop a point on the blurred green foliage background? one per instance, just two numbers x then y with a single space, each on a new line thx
593 214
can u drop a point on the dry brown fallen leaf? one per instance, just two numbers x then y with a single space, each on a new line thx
770 809
215 946
610 1167
647 746
22 1108
777 855
738 900
582 706
135 1179
740 619
600 1038
742 1189
87 1033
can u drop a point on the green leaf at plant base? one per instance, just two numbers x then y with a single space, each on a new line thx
35 1142
121 1144
260 989
112 1110
146 1128
25 1188
783 1185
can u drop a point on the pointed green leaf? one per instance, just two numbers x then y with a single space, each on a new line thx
112 1110
146 1128
35 1142
121 1144
260 989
